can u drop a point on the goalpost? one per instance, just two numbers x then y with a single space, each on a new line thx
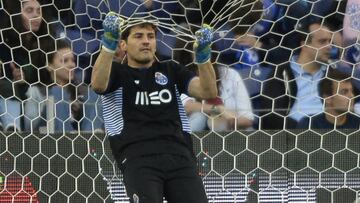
252 37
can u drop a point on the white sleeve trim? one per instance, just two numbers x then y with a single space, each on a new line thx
185 98
107 49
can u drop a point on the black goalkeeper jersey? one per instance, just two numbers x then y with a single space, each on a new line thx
143 112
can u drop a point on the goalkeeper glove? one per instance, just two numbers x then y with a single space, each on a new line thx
112 31
202 44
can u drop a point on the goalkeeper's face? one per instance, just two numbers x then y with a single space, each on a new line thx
31 15
140 46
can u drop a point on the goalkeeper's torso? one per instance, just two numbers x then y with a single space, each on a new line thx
143 112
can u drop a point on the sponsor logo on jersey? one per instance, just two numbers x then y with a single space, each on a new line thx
153 98
160 78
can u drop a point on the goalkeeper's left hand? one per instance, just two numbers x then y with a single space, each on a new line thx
202 44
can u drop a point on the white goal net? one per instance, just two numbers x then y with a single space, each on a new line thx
288 80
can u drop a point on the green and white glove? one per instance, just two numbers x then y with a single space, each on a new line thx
202 49
112 31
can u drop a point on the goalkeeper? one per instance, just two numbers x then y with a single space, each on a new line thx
146 123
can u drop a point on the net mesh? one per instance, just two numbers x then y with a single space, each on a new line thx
52 142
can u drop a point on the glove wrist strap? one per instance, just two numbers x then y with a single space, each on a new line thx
107 49
197 63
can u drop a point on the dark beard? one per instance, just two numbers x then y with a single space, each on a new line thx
144 61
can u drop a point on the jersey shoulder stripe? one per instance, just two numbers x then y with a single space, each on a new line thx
112 112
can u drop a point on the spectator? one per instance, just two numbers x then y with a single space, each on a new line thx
199 112
337 93
249 58
351 30
242 48
351 26
68 101
232 110
277 30
240 42
22 55
282 16
235 98
292 93
244 17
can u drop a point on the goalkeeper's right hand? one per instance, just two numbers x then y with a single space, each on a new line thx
112 31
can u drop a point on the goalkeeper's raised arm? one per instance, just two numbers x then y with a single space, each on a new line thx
110 40
203 87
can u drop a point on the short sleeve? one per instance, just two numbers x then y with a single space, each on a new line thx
114 80
185 98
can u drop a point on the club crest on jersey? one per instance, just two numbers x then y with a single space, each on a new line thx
160 78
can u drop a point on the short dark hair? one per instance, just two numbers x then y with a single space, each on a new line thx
125 34
326 84
303 28
52 46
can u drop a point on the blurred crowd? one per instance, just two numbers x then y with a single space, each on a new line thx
280 64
